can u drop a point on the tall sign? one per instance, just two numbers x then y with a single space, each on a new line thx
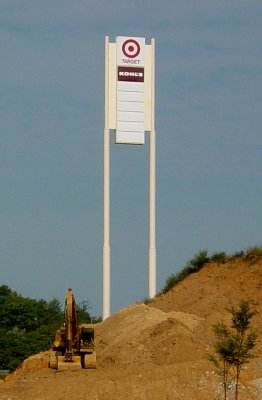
129 111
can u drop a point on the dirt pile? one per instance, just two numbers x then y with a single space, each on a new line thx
156 351
142 335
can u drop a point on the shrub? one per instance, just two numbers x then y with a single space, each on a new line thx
254 251
198 261
237 254
171 281
219 257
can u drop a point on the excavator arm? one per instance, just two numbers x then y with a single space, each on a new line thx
71 317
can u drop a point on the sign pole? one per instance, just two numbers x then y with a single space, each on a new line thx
152 186
106 245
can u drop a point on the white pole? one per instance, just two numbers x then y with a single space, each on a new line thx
106 245
152 187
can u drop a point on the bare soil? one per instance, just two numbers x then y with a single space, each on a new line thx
157 351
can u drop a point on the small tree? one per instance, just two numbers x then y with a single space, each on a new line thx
222 359
234 345
244 339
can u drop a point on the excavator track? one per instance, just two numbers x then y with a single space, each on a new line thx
53 360
90 360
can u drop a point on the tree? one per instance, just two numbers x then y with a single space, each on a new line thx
84 316
244 339
223 352
233 346
27 326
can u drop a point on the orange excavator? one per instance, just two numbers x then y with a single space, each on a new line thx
73 346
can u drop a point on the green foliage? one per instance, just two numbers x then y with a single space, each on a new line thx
254 251
223 352
241 317
26 326
196 263
234 345
84 316
173 280
146 300
237 254
219 257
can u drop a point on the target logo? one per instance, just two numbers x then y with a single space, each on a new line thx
131 48
130 51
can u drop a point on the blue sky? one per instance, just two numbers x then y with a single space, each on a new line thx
209 143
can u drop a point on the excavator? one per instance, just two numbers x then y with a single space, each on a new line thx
73 346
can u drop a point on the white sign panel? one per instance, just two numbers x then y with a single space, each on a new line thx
130 51
130 90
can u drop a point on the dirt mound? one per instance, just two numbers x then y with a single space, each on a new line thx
156 351
215 288
33 363
140 334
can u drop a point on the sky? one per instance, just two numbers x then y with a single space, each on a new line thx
208 143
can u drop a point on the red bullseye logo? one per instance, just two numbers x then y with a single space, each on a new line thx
131 48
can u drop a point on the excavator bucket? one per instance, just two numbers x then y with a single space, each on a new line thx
90 360
73 364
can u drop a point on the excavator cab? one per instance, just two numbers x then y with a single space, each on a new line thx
87 336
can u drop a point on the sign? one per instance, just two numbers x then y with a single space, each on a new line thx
130 51
130 90
130 74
